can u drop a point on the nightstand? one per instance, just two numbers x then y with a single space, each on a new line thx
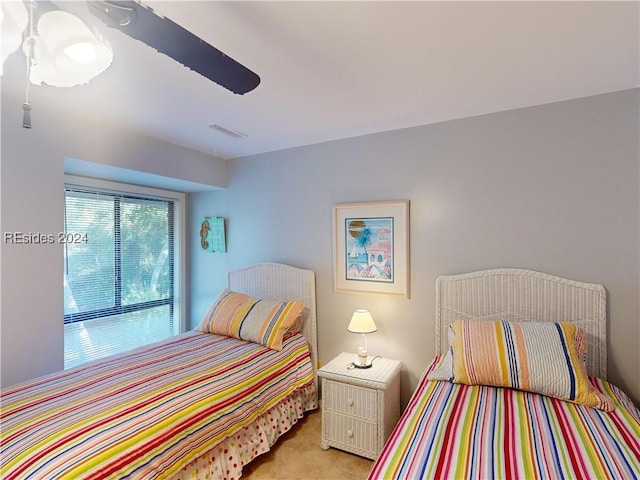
359 407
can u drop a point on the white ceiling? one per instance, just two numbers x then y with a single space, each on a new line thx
334 70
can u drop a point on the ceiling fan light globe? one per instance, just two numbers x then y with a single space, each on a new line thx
75 54
43 70
81 52
82 63
13 21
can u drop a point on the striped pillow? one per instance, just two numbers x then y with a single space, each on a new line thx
256 320
537 357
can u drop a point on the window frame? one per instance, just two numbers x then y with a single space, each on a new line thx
179 250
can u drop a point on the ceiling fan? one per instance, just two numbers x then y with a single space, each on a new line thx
142 23
62 51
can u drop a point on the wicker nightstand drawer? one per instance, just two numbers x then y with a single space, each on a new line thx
352 434
350 399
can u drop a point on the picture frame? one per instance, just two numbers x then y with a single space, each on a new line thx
371 248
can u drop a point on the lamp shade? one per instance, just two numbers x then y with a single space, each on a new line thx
362 322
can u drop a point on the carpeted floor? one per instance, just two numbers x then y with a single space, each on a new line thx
297 455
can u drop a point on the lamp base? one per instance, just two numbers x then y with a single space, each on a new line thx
366 365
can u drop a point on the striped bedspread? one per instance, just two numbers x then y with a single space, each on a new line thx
478 432
145 413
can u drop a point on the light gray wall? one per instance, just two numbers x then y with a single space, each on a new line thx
553 188
32 200
31 330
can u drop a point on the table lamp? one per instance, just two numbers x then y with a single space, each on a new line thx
362 322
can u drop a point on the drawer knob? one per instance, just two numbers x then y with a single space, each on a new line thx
350 402
350 433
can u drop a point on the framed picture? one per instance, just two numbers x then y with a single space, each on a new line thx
371 247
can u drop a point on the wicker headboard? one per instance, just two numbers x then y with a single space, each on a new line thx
275 281
524 295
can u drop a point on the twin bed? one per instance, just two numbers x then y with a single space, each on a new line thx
203 404
199 405
477 430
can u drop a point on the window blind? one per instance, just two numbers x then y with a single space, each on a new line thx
118 273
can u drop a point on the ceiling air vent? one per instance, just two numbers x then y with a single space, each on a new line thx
228 131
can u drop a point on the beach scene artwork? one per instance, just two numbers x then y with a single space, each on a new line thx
369 249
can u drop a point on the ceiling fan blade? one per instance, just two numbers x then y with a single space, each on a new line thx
166 36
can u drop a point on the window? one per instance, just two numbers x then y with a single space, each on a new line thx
120 283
